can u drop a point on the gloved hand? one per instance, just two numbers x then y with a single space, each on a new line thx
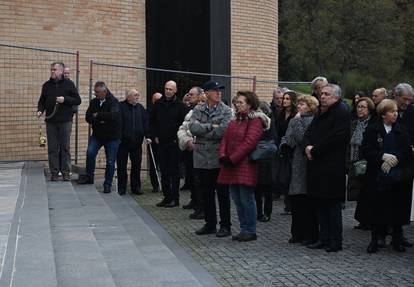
386 167
226 162
390 159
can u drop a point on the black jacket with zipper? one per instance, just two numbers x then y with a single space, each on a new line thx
107 124
47 101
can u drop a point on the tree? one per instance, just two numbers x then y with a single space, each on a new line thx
341 36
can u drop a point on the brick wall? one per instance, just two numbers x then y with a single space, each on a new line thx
254 42
111 31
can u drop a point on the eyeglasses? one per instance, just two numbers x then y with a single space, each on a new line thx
362 107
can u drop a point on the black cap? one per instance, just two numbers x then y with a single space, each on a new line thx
212 85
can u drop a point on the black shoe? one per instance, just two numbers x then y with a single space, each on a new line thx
264 218
206 230
398 247
170 204
54 177
121 191
190 205
285 213
197 215
372 247
295 240
137 192
107 189
162 203
66 176
85 180
362 227
318 245
307 242
245 237
236 237
334 248
223 232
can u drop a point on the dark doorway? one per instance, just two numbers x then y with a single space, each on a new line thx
177 38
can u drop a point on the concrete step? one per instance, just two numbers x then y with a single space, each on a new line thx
78 257
29 259
133 252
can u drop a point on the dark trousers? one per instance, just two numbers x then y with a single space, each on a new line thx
135 155
169 156
197 191
208 187
152 172
58 146
264 190
304 220
330 221
111 149
188 164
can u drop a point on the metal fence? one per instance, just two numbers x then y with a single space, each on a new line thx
23 70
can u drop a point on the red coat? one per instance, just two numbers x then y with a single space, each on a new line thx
239 140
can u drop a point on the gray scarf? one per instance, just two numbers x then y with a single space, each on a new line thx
357 136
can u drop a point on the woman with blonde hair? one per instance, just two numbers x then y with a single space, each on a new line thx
304 227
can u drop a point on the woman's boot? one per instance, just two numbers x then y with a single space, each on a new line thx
373 245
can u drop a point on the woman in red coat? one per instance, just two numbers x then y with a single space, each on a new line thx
239 140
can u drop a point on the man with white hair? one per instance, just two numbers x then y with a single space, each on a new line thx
134 129
317 84
404 94
378 95
326 141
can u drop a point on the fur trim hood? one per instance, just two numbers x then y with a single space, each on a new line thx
266 121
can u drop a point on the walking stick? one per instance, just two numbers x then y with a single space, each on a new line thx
155 166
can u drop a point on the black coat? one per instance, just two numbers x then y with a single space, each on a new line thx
329 134
407 119
265 169
134 123
385 205
166 118
47 101
107 125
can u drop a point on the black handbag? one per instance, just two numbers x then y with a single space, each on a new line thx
265 150
284 169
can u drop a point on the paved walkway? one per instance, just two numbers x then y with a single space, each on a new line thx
63 234
271 261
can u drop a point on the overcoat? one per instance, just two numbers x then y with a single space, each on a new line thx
329 134
385 204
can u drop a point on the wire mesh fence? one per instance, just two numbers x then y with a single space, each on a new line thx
23 70
148 81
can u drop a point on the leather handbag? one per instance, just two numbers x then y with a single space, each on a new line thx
360 167
265 150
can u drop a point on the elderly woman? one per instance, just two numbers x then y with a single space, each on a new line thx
239 140
304 226
386 148
365 114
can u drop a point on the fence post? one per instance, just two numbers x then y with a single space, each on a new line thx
90 91
77 111
254 84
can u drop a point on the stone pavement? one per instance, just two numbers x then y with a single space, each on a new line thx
271 261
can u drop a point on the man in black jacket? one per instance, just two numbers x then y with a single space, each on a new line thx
326 141
57 99
134 128
404 96
104 116
166 117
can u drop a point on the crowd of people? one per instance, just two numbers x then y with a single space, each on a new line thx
320 152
